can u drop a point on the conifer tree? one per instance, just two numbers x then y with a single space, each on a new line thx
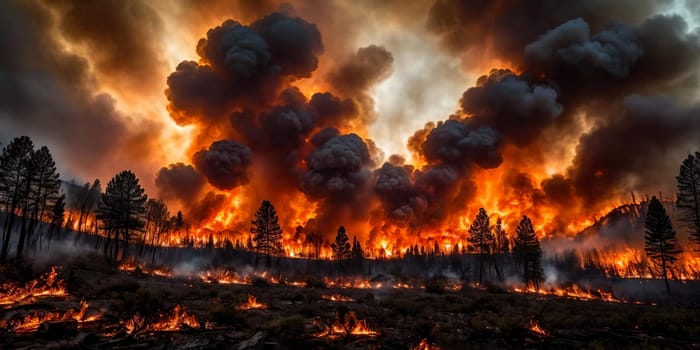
660 240
688 198
267 233
528 253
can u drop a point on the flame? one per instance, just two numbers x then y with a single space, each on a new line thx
336 297
535 327
573 292
131 265
425 345
176 320
31 321
252 304
47 285
350 326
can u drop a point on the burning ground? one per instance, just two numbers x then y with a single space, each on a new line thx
92 303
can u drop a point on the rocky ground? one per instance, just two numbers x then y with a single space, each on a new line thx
135 310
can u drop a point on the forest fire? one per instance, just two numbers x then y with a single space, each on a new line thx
536 328
33 320
350 326
48 285
252 304
426 345
176 320
337 297
573 292
131 265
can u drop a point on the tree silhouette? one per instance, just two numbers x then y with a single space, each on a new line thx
500 239
83 199
58 213
341 249
528 253
121 210
660 240
267 232
158 222
316 241
481 239
44 184
688 201
356 252
15 168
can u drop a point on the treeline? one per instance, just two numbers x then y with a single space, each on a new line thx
32 196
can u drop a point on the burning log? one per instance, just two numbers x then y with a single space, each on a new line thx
47 285
32 321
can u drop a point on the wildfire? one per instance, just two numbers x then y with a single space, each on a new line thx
252 304
222 277
425 345
350 326
178 319
536 328
131 265
573 292
31 322
336 297
47 285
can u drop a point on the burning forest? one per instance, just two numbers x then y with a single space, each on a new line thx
413 175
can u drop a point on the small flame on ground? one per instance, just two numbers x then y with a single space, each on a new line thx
336 297
177 320
351 326
252 304
535 327
425 345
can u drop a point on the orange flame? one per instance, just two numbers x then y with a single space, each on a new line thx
535 327
32 321
252 304
47 285
350 326
177 320
336 297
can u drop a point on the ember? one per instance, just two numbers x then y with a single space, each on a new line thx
336 297
535 327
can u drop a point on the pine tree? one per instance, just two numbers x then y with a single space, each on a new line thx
481 238
267 232
58 213
528 252
688 201
341 248
357 254
43 192
660 240
121 211
15 167
500 238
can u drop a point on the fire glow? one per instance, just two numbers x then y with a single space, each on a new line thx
252 304
48 285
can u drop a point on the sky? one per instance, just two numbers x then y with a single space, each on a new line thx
582 99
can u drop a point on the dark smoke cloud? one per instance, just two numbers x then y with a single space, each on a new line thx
179 182
338 168
399 196
205 209
507 26
225 164
244 67
612 51
362 70
51 95
459 144
123 36
518 109
638 149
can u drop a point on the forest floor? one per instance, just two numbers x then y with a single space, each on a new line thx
134 310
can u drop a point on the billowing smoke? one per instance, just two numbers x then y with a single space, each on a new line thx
224 164
179 182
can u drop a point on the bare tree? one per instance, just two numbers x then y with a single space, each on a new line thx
15 166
